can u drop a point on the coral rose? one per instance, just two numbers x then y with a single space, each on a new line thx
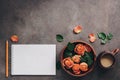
76 58
78 72
83 66
76 68
68 63
80 49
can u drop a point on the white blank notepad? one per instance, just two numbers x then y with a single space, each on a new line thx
33 59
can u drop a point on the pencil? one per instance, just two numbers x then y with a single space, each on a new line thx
6 59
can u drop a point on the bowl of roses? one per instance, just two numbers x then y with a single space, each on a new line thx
78 58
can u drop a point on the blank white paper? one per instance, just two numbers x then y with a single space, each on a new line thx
33 59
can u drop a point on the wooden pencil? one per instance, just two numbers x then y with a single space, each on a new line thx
6 59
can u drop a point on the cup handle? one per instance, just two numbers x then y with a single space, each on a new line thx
115 51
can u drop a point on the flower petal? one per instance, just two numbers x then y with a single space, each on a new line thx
92 37
77 29
14 38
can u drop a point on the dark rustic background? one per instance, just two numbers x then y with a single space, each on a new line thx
38 22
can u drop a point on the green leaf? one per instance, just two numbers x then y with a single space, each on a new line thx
105 38
58 65
82 59
91 55
67 53
59 38
70 46
102 35
88 59
104 41
109 36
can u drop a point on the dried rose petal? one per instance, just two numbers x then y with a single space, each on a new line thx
92 37
77 29
14 38
88 48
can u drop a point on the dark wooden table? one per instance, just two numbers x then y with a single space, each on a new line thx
38 22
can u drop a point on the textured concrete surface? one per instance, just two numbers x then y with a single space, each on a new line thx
38 22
